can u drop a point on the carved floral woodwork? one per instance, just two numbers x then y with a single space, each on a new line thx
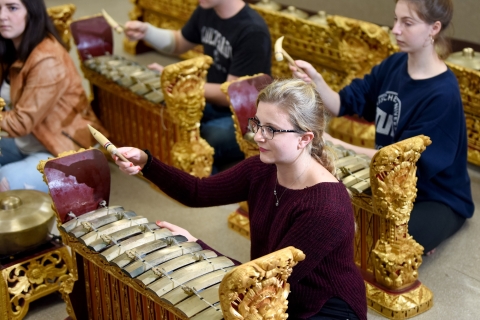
183 88
240 223
345 49
397 256
393 180
469 82
259 289
353 130
62 17
36 277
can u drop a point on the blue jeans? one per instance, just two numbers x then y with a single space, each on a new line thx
218 130
19 169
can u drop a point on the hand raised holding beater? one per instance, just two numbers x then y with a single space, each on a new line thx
136 160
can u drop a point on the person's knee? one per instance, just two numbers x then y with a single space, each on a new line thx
432 222
24 174
9 151
219 132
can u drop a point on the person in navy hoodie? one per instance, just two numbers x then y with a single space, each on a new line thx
410 93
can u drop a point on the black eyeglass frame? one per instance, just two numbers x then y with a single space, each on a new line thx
270 128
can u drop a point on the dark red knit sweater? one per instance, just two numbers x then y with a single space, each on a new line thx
317 220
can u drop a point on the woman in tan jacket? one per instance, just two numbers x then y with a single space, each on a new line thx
47 111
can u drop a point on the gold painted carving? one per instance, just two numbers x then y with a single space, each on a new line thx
192 153
34 278
399 306
341 51
397 256
239 223
258 289
178 9
469 82
183 88
62 17
359 133
237 220
393 181
162 20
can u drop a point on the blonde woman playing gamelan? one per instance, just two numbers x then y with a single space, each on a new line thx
294 200
410 93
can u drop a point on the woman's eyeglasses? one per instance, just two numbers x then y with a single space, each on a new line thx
267 132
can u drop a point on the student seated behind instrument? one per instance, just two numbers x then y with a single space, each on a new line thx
294 200
237 39
47 110
412 93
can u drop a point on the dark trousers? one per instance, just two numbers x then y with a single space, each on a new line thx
218 130
335 309
432 222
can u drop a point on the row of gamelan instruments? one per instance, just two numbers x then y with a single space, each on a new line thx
125 267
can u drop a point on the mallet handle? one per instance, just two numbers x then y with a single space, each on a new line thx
291 61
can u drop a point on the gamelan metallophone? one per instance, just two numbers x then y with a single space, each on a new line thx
128 74
128 100
353 169
158 112
179 273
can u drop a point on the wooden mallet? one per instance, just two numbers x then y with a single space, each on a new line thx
114 24
280 53
103 141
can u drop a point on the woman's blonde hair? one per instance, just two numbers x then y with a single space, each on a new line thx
307 113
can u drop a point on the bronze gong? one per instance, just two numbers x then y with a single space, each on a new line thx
26 217
466 58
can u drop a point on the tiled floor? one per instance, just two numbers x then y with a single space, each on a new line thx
452 272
